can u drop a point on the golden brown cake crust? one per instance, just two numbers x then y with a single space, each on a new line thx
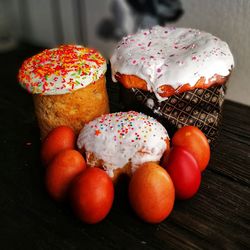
72 109
132 81
93 161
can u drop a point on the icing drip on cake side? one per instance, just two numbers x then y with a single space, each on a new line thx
121 137
171 56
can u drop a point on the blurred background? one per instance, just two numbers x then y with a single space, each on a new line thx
101 23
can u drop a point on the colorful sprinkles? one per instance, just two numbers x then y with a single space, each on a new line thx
118 138
61 70
125 123
171 56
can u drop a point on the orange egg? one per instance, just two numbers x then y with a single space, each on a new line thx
62 170
151 193
195 142
58 139
92 195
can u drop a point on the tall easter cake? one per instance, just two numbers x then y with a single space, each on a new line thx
68 86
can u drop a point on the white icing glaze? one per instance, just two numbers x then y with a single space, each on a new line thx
61 70
171 56
121 137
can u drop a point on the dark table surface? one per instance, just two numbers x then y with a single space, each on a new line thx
218 217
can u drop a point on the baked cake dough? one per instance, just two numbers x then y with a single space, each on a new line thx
169 60
120 142
68 86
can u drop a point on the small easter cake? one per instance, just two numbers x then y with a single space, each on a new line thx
68 86
120 142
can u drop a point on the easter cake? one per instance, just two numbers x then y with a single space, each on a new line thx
178 74
68 86
120 142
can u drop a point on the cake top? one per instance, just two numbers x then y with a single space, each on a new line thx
61 70
118 138
171 56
